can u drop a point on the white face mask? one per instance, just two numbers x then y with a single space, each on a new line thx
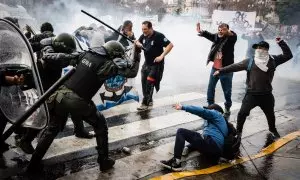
261 59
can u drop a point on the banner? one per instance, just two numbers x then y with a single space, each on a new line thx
238 21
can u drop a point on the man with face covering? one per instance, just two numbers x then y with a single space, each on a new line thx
260 73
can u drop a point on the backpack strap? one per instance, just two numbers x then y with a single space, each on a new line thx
250 63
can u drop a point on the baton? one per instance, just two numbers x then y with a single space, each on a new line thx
109 27
30 29
36 105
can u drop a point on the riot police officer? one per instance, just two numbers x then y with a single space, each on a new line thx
74 97
55 55
46 32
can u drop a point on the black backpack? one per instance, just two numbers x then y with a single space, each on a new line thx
232 142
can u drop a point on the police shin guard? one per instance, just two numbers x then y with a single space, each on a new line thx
104 161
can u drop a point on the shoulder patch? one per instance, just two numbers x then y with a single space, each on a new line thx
165 39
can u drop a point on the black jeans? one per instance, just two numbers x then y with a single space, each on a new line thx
205 145
266 102
149 72
62 104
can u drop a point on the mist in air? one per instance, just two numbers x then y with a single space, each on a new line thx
186 63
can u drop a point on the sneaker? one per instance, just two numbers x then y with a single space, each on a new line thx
106 164
25 146
172 164
151 103
186 151
275 134
142 107
227 112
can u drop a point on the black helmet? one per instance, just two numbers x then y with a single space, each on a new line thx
114 49
46 27
64 43
13 20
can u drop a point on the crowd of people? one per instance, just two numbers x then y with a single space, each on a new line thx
106 59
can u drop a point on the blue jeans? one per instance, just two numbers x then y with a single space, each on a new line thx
226 83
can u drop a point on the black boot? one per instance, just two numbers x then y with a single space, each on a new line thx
105 163
83 134
79 130
3 147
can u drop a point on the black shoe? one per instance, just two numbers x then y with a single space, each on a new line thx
2 162
84 134
37 169
25 146
3 147
275 134
172 164
227 112
106 164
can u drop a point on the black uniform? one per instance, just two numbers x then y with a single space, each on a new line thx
3 121
49 72
36 39
152 72
74 98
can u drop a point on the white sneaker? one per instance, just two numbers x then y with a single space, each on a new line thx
185 151
150 103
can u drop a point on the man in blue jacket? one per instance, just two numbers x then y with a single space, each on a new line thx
210 142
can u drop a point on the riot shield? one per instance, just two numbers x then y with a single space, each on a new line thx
16 58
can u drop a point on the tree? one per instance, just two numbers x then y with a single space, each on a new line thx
288 11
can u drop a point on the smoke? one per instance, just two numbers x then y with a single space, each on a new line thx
185 65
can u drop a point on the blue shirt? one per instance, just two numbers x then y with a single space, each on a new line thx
213 125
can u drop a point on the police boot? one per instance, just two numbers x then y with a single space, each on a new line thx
3 147
104 161
80 132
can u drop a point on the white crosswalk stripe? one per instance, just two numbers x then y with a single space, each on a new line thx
117 134
155 128
145 163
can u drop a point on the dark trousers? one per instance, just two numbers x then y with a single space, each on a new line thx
266 102
3 123
226 83
61 104
147 86
205 145
32 133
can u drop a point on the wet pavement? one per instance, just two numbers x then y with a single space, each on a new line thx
150 136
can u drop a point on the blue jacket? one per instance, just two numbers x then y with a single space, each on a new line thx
213 125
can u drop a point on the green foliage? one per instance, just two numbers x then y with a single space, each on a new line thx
288 11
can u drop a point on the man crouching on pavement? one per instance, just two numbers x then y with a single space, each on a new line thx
210 142
260 73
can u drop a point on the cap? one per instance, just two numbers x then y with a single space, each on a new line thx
262 44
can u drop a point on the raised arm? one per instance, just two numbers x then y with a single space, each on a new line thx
285 56
60 59
234 67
